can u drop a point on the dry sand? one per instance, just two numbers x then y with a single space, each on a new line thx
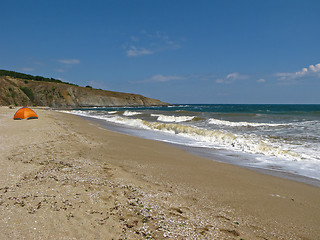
63 177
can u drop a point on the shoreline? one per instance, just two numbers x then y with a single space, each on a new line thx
66 177
198 152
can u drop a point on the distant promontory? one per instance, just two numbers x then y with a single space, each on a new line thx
26 90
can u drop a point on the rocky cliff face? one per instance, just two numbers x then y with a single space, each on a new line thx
22 92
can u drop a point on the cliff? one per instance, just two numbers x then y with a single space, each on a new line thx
22 92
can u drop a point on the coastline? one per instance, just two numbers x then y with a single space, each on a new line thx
124 186
224 157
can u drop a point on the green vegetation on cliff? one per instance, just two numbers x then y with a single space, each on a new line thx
28 92
30 77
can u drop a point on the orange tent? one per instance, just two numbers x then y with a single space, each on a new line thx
25 112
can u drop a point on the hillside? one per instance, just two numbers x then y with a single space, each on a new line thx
26 92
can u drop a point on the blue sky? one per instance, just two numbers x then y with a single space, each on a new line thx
178 51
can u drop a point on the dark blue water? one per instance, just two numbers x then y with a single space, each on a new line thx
230 108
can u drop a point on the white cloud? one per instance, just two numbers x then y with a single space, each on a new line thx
261 80
230 78
315 68
161 78
145 43
69 61
134 51
311 71
232 75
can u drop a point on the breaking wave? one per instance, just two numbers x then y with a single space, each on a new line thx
242 124
129 113
166 118
249 143
246 143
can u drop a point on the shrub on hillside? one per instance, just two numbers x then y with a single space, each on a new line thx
28 92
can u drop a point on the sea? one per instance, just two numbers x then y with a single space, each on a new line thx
278 139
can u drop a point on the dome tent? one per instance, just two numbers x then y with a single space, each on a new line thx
25 112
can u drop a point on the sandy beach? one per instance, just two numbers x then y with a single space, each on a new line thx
63 177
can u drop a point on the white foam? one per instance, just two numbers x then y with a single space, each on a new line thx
166 118
242 124
246 143
249 143
130 113
271 150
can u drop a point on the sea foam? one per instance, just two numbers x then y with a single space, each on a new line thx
166 118
242 124
130 113
249 143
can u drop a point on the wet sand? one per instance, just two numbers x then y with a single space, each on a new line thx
63 177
